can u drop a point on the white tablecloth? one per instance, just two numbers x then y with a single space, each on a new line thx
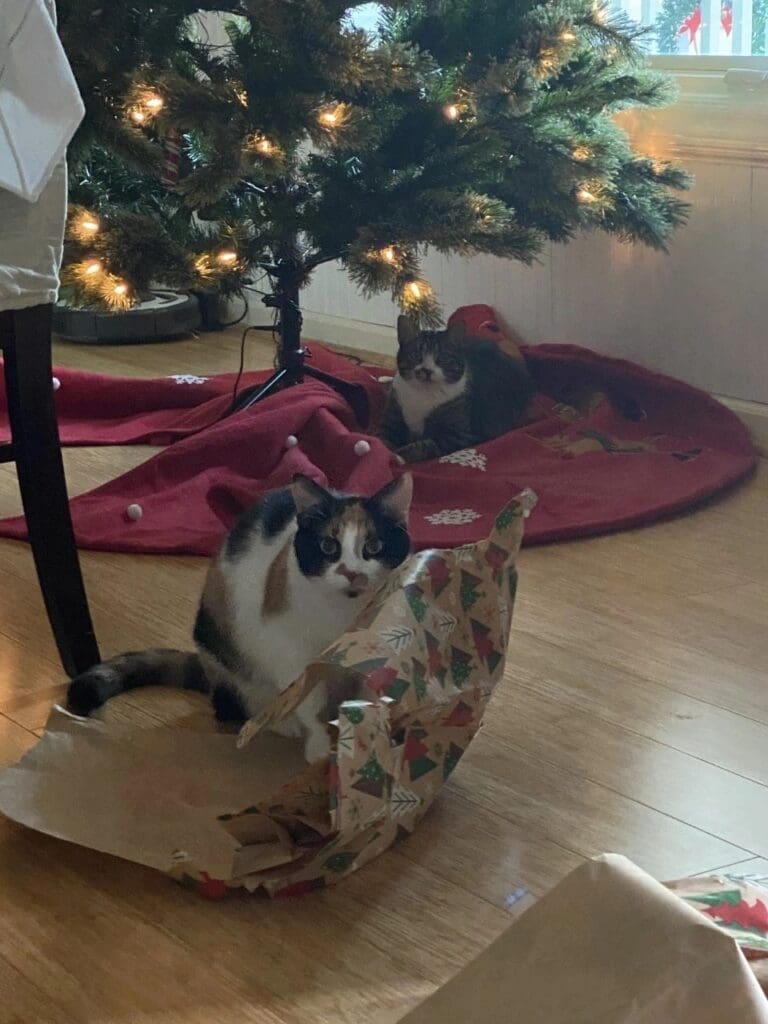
31 237
40 110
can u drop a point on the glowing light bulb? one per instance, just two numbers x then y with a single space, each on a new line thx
334 116
388 254
138 116
155 102
85 226
93 268
264 146
242 97
121 289
585 196
581 153
548 60
451 112
414 289
600 14
568 36
227 257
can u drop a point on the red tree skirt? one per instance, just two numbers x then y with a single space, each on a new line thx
611 445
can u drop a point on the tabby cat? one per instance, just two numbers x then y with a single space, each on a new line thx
289 579
451 392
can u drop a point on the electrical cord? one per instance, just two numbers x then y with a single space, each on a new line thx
243 315
238 378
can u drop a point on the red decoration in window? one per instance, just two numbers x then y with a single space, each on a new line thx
726 17
691 25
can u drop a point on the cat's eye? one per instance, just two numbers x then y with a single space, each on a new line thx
373 547
329 546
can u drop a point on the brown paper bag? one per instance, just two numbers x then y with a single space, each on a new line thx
608 945
154 780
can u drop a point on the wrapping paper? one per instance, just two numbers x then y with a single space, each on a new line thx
608 945
154 781
738 904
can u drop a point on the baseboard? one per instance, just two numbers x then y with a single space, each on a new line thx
754 415
379 340
356 335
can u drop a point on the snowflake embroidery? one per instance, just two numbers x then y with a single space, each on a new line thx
453 517
188 378
469 457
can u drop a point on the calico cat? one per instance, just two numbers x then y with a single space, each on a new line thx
290 578
451 392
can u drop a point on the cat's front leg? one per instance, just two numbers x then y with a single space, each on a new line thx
393 430
419 451
317 746
290 728
312 714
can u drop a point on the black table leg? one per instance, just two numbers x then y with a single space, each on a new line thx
25 336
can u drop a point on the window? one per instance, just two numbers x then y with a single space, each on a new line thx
711 28
366 16
680 28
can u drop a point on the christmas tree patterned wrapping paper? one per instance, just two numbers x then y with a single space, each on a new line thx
426 657
410 682
739 905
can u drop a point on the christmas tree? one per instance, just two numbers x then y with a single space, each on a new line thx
301 139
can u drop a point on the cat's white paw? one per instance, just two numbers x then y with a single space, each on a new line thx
290 728
317 746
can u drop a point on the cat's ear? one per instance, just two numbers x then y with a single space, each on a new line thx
394 500
407 330
456 332
306 493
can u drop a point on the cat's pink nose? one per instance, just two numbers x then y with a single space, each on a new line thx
358 581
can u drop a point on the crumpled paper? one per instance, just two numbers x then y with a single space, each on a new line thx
607 945
156 782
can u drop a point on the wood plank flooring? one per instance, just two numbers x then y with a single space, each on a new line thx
633 718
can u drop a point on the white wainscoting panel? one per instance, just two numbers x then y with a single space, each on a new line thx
699 313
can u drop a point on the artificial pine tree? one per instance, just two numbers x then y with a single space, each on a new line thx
464 126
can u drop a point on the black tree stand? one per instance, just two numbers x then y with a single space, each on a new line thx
292 366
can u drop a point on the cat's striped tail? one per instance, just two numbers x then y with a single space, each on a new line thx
178 669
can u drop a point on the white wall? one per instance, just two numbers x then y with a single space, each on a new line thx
699 313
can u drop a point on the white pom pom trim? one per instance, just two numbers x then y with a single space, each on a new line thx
362 447
134 512
291 441
56 383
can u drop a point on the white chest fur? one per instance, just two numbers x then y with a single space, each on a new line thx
418 400
280 646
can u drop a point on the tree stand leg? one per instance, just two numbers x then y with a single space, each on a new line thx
292 364
25 338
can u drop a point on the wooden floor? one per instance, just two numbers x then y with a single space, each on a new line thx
633 718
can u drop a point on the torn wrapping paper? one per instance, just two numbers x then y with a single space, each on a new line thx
154 780
738 904
608 945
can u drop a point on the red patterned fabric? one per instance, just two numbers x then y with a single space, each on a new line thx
608 445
